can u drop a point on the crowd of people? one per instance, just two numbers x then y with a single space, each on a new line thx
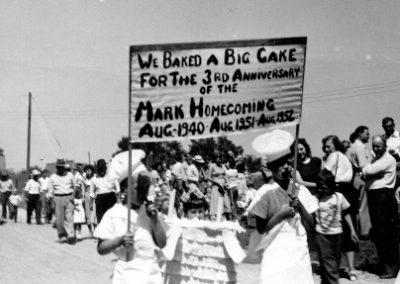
348 194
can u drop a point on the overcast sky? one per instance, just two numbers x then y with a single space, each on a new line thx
73 57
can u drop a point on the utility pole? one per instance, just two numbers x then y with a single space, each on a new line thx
89 156
28 154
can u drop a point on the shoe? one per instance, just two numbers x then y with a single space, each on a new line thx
388 276
62 240
71 240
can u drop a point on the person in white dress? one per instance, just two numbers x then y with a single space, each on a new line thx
79 214
283 212
136 250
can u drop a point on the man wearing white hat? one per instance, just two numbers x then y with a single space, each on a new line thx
282 212
33 193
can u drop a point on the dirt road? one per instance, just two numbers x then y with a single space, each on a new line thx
31 254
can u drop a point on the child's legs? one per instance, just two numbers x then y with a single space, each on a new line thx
15 213
329 252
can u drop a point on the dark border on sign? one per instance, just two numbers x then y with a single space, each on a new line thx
219 44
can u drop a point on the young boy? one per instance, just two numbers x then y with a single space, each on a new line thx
14 201
332 206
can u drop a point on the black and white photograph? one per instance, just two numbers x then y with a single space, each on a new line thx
199 142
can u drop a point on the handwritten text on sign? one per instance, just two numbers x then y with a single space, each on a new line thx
204 90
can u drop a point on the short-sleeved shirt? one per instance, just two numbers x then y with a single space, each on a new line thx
102 185
270 198
61 184
143 268
309 172
6 185
340 166
44 183
358 154
393 142
32 187
329 214
15 199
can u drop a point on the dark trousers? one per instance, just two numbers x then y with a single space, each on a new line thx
49 208
382 207
14 213
329 248
4 203
104 202
34 203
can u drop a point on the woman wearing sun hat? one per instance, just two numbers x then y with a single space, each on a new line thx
282 215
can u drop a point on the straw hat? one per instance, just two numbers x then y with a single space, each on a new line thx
35 172
198 159
60 163
273 145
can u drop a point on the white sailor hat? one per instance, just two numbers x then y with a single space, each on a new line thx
274 144
119 166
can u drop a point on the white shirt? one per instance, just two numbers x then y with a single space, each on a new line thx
393 142
61 184
15 199
340 166
329 214
44 183
102 185
32 187
381 173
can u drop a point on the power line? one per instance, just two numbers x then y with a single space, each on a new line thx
48 127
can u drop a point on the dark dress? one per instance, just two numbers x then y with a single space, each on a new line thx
309 172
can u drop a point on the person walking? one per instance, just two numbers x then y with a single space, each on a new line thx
6 189
283 212
380 178
103 190
47 199
338 164
90 210
32 189
61 187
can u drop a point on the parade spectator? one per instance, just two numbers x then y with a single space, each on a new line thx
61 186
392 137
148 235
32 188
331 207
6 189
346 145
47 199
166 173
194 173
308 166
177 181
360 156
285 257
358 153
15 201
338 164
103 190
79 214
217 173
79 174
380 181
90 206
